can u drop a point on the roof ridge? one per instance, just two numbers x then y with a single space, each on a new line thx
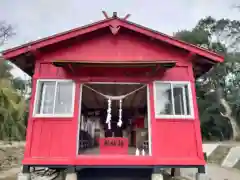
122 22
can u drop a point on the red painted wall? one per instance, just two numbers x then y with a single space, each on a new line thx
53 140
103 46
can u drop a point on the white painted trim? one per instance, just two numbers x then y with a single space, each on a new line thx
184 100
112 83
41 103
191 100
172 82
54 115
79 117
148 111
149 122
58 80
35 99
37 93
172 98
188 83
55 95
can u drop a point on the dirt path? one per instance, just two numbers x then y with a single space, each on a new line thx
11 156
10 159
214 172
10 174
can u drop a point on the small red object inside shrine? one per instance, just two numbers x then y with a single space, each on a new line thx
113 145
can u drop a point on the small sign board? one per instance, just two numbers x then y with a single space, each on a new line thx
113 145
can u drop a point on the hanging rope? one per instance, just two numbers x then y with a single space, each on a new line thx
115 97
110 98
109 115
119 124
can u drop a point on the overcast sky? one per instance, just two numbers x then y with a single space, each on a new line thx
34 19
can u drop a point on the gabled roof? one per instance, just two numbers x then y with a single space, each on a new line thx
114 23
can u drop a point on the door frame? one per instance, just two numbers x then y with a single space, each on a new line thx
148 111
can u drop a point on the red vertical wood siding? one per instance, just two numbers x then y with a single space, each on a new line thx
54 140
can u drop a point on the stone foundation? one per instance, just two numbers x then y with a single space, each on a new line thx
201 176
157 176
24 176
71 176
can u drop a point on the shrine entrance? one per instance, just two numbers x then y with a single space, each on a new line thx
114 119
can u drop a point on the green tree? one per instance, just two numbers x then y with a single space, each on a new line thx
221 83
12 110
12 102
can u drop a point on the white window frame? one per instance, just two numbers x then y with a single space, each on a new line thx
38 93
174 116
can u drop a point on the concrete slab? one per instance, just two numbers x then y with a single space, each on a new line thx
209 148
232 157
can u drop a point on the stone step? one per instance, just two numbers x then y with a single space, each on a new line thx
219 154
232 157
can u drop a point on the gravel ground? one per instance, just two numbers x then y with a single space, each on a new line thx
219 154
10 159
10 174
214 172
10 156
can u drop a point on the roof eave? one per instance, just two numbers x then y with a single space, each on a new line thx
18 50
12 53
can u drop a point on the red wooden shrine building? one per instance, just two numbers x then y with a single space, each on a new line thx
113 93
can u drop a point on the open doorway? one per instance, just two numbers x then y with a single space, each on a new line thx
128 107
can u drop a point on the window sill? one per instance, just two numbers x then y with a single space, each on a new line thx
53 116
174 117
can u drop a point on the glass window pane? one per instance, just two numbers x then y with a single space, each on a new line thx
47 97
178 100
163 101
39 97
181 99
64 100
187 99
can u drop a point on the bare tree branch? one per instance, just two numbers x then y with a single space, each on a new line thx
6 31
224 115
228 110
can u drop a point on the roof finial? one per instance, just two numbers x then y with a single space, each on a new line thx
127 16
105 14
114 15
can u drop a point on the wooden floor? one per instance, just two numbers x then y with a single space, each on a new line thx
96 151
